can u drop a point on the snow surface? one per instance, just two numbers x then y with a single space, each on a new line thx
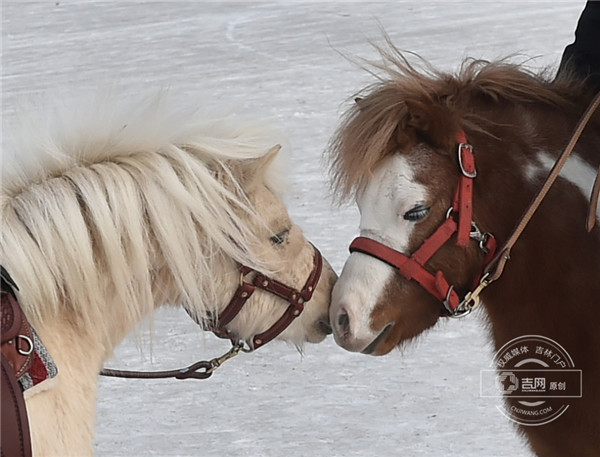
280 61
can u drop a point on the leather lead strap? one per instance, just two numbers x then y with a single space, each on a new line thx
591 217
496 266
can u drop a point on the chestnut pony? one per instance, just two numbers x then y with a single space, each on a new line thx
395 153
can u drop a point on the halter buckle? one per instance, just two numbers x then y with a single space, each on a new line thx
469 174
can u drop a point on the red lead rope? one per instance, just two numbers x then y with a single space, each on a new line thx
413 267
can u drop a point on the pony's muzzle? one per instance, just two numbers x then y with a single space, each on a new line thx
348 331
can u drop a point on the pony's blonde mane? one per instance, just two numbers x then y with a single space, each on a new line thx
122 198
368 128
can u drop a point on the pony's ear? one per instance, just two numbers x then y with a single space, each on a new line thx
253 171
418 118
432 123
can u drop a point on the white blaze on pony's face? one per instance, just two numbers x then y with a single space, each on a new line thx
389 206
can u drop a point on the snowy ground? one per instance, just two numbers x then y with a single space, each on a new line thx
279 61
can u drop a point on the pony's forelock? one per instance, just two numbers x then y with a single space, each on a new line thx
368 128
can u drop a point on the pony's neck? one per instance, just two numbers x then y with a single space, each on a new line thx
104 329
550 284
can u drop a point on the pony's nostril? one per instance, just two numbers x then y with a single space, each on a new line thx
343 322
324 326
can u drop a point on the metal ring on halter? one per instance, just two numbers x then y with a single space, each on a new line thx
483 243
461 310
242 276
245 346
29 342
447 301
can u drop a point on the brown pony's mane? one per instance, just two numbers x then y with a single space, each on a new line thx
385 114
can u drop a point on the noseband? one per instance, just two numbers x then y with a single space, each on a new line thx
459 220
295 298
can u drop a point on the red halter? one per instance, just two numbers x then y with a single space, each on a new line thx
295 298
413 267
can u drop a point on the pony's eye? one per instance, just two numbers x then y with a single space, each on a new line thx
280 237
418 213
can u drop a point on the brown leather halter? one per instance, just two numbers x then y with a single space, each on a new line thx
413 267
296 299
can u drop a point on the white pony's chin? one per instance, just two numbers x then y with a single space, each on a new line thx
316 334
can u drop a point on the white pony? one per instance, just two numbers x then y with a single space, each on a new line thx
124 207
